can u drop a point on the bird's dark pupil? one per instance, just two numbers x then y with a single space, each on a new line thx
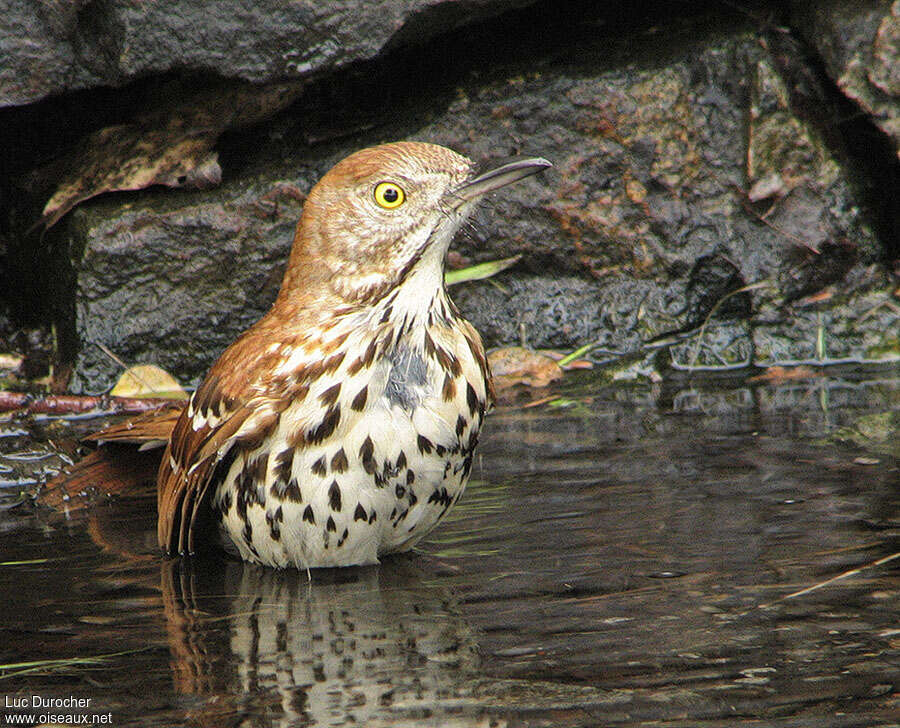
391 194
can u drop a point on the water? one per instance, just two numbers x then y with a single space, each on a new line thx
622 557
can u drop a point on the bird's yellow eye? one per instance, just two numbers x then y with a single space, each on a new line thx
389 195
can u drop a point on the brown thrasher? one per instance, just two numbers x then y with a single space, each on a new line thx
342 425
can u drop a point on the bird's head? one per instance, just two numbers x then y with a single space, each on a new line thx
386 214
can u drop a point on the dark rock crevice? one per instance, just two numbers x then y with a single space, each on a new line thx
868 153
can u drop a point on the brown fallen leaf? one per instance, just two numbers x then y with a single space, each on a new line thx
170 146
778 374
517 365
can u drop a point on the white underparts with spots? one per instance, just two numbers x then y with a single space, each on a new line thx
373 455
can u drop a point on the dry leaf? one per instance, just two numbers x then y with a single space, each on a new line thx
517 365
171 146
148 380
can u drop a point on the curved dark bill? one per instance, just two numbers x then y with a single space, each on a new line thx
500 177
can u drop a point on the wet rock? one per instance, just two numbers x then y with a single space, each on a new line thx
857 320
652 154
50 47
860 44
173 284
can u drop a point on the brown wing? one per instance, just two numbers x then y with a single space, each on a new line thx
194 450
228 415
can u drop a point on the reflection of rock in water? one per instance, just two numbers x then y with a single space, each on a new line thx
356 646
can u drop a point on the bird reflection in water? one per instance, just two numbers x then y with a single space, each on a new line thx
370 646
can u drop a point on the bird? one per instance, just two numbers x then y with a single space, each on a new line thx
341 427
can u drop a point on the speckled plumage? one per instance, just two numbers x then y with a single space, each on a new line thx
342 425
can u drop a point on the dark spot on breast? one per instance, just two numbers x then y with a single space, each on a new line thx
467 466
343 537
440 450
369 356
440 496
359 401
410 477
373 516
308 515
333 362
255 471
448 391
355 366
330 525
455 366
334 496
339 461
471 398
447 361
424 444
330 395
473 442
248 533
401 461
326 427
400 491
360 513
292 492
412 498
319 467
284 464
460 425
366 451
241 504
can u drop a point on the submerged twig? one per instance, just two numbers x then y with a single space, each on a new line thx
833 579
72 404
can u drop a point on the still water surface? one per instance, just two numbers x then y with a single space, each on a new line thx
622 557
